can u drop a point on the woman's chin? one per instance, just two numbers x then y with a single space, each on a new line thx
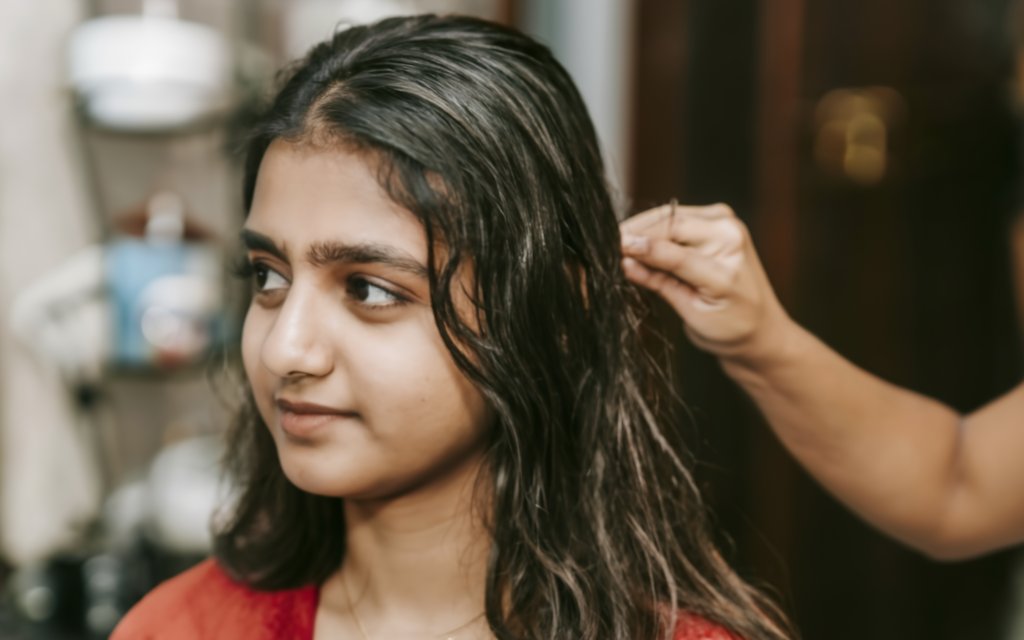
334 476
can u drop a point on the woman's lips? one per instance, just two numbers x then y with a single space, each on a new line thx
303 419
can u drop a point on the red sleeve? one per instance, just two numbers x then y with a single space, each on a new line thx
204 604
691 627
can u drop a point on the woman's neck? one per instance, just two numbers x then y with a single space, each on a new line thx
415 566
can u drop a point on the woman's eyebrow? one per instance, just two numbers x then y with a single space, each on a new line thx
258 242
332 252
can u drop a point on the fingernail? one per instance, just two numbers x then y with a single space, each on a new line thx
636 244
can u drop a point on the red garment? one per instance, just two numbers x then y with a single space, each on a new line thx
204 604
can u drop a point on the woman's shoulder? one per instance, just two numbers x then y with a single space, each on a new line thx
205 603
692 627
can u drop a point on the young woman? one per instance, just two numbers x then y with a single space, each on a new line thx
453 429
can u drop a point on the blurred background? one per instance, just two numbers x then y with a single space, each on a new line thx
872 146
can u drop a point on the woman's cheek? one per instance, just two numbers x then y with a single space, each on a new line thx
417 382
254 331
250 348
399 363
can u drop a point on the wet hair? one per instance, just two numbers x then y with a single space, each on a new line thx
598 529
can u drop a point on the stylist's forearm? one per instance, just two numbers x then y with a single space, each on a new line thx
886 452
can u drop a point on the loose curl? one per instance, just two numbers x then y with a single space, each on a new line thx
598 530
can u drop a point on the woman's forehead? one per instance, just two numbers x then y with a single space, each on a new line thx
307 196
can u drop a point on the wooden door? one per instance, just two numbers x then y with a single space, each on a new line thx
905 271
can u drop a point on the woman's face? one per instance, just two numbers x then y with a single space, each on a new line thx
346 363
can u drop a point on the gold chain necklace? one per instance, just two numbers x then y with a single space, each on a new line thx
352 609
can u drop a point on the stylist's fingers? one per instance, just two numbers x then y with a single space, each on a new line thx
709 276
702 261
674 291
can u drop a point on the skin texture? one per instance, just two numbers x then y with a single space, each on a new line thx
341 319
944 483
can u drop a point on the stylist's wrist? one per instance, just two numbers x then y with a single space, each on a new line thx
778 342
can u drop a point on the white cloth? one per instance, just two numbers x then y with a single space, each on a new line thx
49 486
307 22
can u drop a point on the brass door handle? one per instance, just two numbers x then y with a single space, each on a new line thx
853 128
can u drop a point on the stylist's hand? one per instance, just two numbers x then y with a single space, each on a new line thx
702 261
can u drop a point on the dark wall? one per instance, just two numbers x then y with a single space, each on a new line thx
909 278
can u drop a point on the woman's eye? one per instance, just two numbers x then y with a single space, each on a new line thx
370 294
267 279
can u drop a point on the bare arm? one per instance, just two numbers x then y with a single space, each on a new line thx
949 485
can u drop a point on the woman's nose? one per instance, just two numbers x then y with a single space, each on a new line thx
297 344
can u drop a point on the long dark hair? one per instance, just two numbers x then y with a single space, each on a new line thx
598 530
